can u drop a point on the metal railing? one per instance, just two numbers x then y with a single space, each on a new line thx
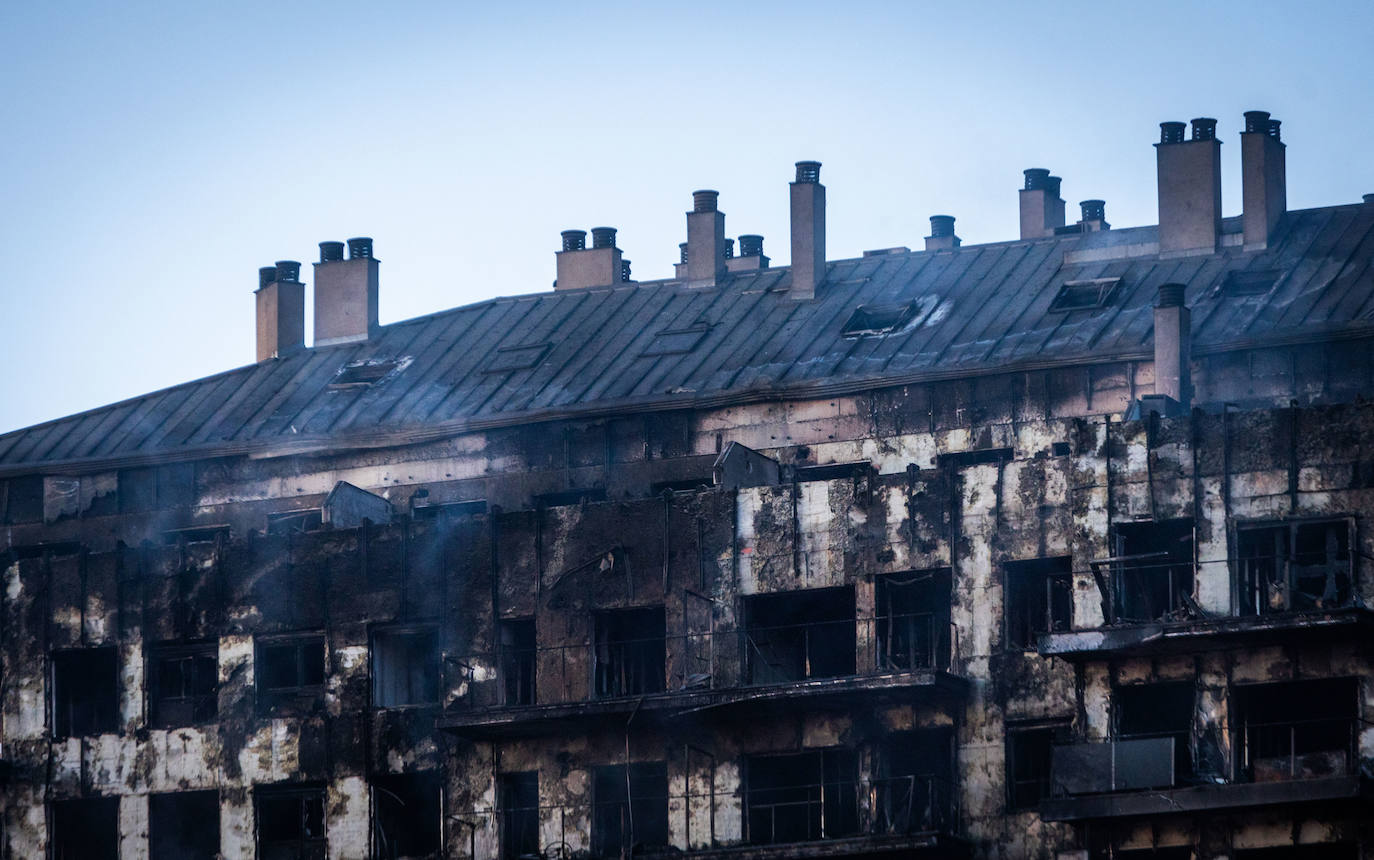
1102 767
1298 749
1150 588
722 658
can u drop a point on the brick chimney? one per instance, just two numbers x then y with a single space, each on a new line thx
941 236
1263 178
705 240
280 300
1189 188
1042 209
1172 336
601 265
808 230
345 293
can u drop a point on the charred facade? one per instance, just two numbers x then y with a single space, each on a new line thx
1052 547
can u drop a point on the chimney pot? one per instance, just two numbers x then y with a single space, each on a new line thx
346 293
1256 120
809 171
728 249
750 245
574 240
625 270
704 201
682 252
603 237
1171 132
1094 210
1037 178
288 271
1274 129
331 251
1052 184
1204 128
360 248
1170 296
941 226
268 274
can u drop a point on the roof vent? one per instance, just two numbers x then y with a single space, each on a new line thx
574 240
360 248
750 245
941 226
603 237
268 274
1171 132
288 271
1037 178
1170 296
1204 128
704 201
331 251
809 172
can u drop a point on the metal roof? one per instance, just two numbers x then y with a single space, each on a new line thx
659 345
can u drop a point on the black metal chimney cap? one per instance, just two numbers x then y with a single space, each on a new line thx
1171 132
808 172
266 275
1052 184
359 248
288 271
1093 210
1170 296
750 245
574 240
682 251
941 225
1037 178
1257 121
704 201
603 237
1274 128
1204 128
331 251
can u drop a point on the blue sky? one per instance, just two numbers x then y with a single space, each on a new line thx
156 154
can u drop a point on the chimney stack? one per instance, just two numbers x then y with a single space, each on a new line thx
750 257
1094 216
1189 188
941 236
280 300
808 230
601 265
345 293
705 240
1172 338
1263 178
1042 209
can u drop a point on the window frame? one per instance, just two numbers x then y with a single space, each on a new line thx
56 690
298 696
1241 525
299 791
1058 731
179 651
386 631
1046 571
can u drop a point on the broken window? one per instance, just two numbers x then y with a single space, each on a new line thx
23 499
295 522
517 661
630 653
405 667
183 685
1029 753
1294 566
802 797
1152 571
519 798
579 496
797 635
367 372
85 829
878 320
85 698
1157 711
406 816
290 822
914 782
1297 730
1249 283
630 808
183 825
1039 599
1084 295
289 671
913 620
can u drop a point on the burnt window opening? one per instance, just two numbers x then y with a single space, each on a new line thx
630 808
406 816
1171 852
1029 756
1039 597
1294 566
85 696
405 667
290 822
981 457
1084 295
183 685
801 797
366 372
295 522
878 320
195 534
914 782
681 485
85 829
183 825
630 653
517 661
834 472
1297 730
570 497
23 499
519 799
913 620
1162 712
1152 574
289 671
798 635
449 509
1060 449
1249 283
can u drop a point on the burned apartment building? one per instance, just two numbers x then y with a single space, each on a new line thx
1057 547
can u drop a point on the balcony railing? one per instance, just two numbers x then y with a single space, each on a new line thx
1110 766
1302 749
703 660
